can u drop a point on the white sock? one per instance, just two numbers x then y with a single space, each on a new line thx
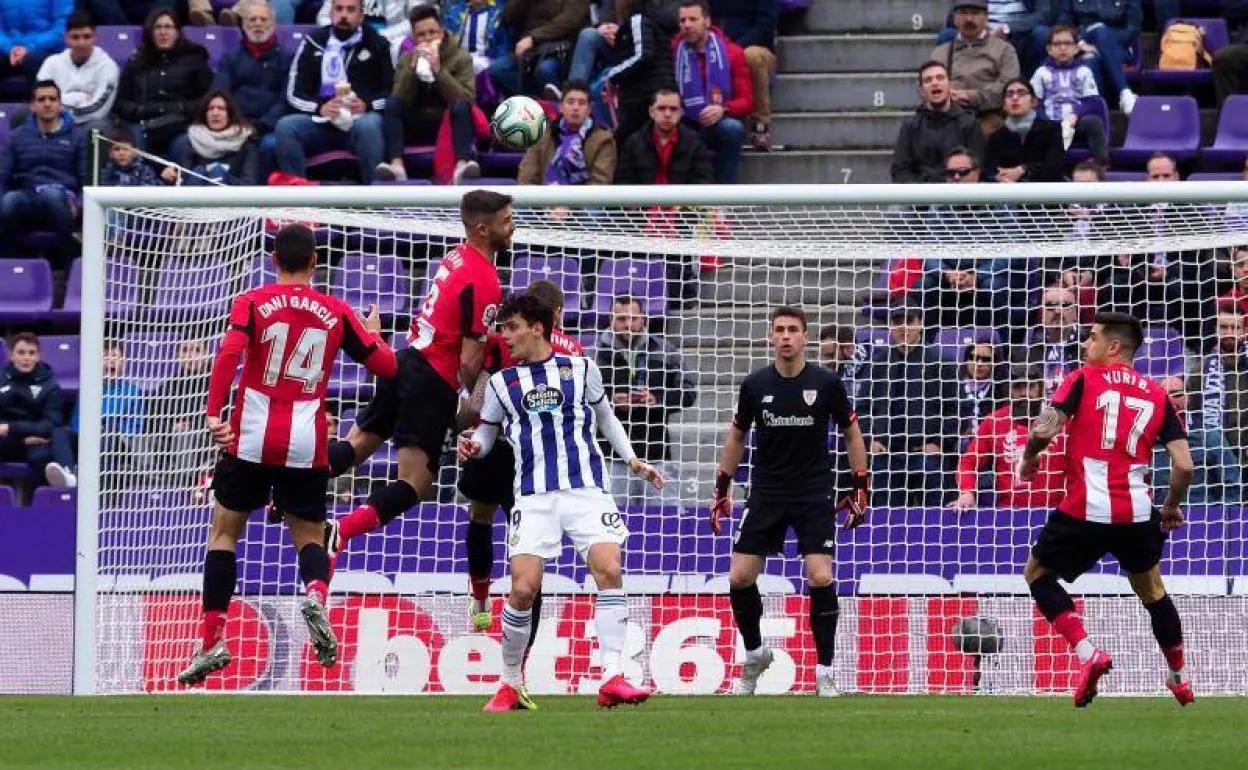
611 620
1084 650
516 627
822 671
753 655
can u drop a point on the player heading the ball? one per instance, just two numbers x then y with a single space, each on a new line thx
550 406
789 404
287 335
1113 416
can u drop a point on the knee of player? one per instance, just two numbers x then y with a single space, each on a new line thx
1033 571
819 577
738 582
522 595
609 574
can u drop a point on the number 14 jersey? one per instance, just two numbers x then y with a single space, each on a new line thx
1117 416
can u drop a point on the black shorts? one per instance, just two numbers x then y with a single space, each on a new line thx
1071 547
765 521
415 409
246 486
491 479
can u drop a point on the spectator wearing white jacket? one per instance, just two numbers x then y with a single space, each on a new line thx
86 75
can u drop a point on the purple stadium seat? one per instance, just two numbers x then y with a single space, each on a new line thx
1125 176
47 497
19 471
291 35
793 6
217 40
645 279
121 289
194 286
25 289
1169 124
490 181
382 279
1162 353
8 498
418 159
1231 143
333 163
1216 36
409 182
119 42
71 308
4 353
1215 176
501 162
951 343
62 354
151 357
564 271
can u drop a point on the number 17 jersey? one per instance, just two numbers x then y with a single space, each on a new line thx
1117 416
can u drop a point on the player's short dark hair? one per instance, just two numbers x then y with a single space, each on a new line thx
120 134
1090 165
548 292
788 311
839 332
28 337
663 92
45 84
927 65
702 4
576 85
422 12
1125 327
477 205
294 248
628 299
960 150
80 19
531 309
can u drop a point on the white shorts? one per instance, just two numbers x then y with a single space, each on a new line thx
539 522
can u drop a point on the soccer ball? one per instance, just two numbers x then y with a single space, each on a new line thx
519 123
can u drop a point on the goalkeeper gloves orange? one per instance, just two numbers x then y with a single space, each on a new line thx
721 501
854 501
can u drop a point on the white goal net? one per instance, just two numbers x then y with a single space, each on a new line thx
949 313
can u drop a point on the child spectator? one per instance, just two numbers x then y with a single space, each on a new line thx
125 168
1064 84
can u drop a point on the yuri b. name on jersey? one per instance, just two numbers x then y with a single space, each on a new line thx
298 302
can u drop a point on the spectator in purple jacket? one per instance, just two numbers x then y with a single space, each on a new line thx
1065 86
30 31
43 167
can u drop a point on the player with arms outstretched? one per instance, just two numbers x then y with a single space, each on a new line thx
416 410
275 445
549 406
487 482
1113 416
789 404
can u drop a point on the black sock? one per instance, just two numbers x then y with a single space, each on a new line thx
220 575
1051 598
392 500
825 610
747 608
1167 628
341 457
537 616
313 563
479 541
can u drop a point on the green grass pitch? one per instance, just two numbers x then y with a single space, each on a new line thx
983 733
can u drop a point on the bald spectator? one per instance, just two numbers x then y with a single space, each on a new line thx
979 63
752 24
937 126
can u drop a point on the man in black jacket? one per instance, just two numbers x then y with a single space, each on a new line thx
664 151
32 420
910 418
644 379
338 86
643 50
938 126
1230 63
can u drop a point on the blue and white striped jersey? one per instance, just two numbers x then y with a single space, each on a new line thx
546 410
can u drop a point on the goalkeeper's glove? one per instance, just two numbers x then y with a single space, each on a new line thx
721 501
854 501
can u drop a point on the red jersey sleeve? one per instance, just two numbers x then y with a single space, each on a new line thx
972 460
364 346
1068 395
225 365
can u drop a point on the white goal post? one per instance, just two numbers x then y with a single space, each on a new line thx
158 264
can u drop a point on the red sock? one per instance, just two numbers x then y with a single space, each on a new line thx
317 589
480 587
1070 626
1174 656
361 520
212 627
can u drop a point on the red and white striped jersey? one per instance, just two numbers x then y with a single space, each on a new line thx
1116 417
287 336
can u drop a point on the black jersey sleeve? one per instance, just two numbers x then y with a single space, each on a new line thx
840 409
1069 393
1172 428
744 417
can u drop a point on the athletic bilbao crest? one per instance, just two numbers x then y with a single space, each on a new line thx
809 396
543 398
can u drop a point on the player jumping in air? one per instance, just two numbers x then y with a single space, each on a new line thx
789 404
1113 416
287 335
416 410
549 407
487 482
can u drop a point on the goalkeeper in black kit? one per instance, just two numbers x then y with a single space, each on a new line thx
789 403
